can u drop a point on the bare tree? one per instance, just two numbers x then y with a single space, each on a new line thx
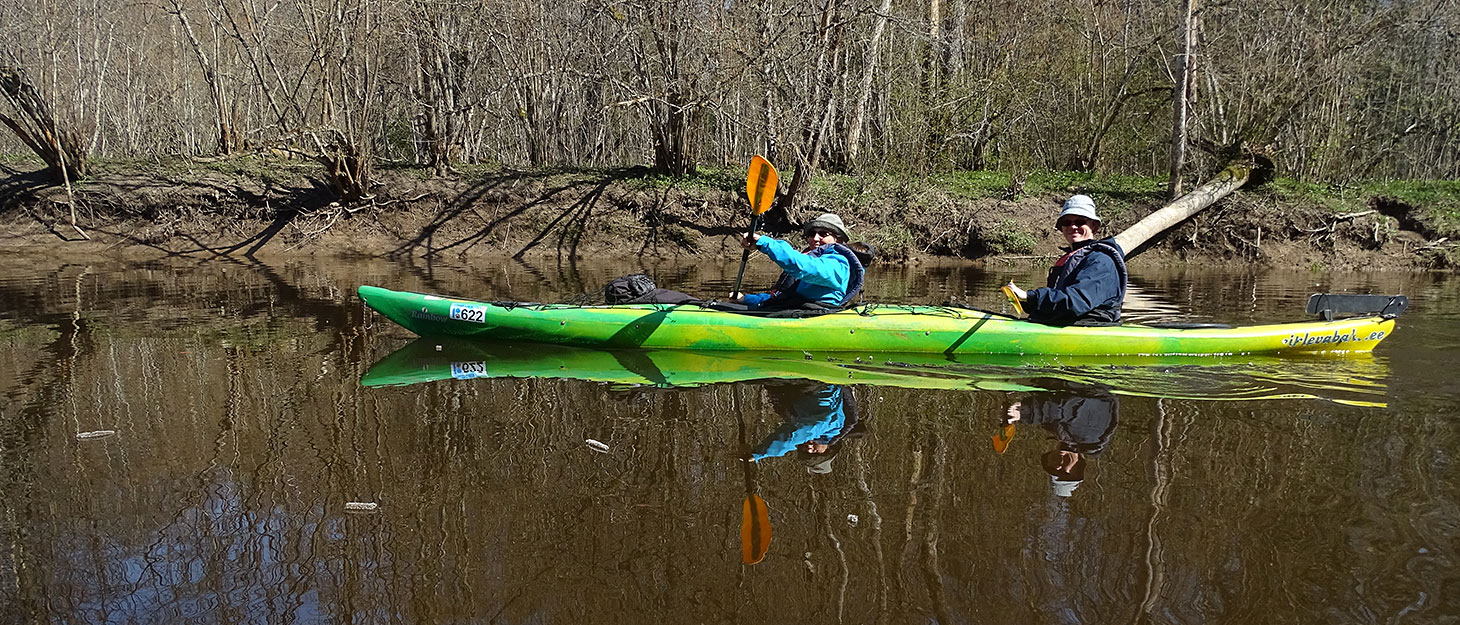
227 130
864 86
1338 89
1182 95
668 65
444 61
828 78
36 127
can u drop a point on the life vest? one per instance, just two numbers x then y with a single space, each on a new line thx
1062 274
783 291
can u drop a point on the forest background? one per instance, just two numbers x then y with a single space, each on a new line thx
938 127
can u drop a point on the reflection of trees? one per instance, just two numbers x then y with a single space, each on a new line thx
230 496
223 493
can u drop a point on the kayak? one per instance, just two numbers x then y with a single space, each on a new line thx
863 329
1354 380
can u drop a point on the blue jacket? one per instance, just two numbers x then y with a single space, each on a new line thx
1087 284
826 276
810 415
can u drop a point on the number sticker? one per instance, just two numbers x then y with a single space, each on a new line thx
469 312
468 370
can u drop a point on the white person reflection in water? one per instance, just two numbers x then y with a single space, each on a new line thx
1079 419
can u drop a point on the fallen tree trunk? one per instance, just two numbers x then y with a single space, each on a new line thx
1134 239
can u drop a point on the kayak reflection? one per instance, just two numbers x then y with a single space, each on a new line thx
1078 419
1354 380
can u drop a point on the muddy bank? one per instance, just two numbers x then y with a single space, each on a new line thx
273 209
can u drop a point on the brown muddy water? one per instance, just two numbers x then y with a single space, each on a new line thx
185 442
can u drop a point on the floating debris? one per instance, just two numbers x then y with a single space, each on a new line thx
361 506
95 434
852 520
597 446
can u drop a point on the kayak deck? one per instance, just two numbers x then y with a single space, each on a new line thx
871 328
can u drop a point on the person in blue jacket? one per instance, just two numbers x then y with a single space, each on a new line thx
825 274
816 419
1087 285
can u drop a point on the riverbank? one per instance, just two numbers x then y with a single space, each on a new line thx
250 206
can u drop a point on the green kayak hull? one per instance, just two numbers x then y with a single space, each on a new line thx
865 329
1353 380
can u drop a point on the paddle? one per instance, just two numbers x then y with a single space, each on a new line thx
1006 434
755 516
1013 299
761 182
755 525
1002 439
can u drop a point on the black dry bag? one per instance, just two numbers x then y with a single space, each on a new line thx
627 289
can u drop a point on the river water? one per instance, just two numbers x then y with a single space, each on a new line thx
223 441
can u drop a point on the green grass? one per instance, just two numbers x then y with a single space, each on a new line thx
1436 201
276 171
20 158
1433 202
973 185
1336 199
896 195
1287 188
842 188
706 178
1092 184
893 241
416 172
477 170
1416 192
1011 238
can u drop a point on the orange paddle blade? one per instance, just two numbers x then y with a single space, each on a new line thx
1002 439
761 183
755 530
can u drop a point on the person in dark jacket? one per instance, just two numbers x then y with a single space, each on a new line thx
1080 419
825 274
1087 285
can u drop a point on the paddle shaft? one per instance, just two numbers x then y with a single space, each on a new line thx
744 448
745 257
755 520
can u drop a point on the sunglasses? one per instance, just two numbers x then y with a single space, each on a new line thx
1073 223
819 233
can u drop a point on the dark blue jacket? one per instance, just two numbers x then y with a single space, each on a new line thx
1082 420
1085 285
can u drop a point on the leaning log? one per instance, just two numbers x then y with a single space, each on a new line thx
1134 239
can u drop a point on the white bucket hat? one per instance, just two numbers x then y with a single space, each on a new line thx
1080 206
1063 488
